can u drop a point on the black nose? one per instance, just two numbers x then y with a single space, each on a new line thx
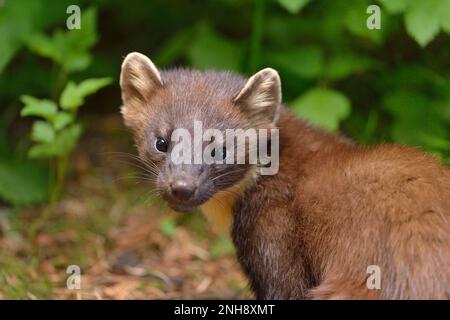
182 190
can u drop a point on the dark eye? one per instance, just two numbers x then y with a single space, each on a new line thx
161 144
219 153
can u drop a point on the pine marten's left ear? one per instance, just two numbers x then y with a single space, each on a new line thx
260 98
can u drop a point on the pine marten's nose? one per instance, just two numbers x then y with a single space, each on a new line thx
182 190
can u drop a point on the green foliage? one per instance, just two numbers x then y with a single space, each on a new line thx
57 134
423 19
73 95
42 132
417 122
355 19
209 50
408 117
68 48
394 6
62 119
11 32
293 6
323 107
221 246
344 65
61 145
15 275
23 182
55 130
311 66
19 19
168 227
40 108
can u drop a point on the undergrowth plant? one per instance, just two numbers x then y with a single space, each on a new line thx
55 134
56 131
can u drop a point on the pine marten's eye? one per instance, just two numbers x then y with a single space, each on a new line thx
161 144
219 153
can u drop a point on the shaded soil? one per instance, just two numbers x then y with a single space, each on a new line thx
127 244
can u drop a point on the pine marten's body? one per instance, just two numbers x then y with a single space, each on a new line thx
314 228
334 208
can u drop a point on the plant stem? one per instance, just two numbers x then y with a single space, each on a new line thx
256 37
61 165
60 77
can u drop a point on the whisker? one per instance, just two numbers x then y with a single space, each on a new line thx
227 173
139 166
148 164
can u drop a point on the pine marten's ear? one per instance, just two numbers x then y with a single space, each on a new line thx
260 98
139 78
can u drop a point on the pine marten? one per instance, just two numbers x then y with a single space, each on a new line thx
334 208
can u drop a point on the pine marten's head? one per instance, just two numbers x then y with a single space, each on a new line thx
165 111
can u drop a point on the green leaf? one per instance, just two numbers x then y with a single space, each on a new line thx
445 18
305 62
395 6
70 98
344 65
62 49
444 110
43 151
85 37
38 107
174 47
210 50
67 138
168 227
446 25
68 48
77 61
220 247
293 6
23 183
423 20
323 107
356 22
63 144
90 86
44 46
17 20
417 120
42 132
61 120
434 142
73 95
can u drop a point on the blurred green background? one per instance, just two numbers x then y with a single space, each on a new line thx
391 84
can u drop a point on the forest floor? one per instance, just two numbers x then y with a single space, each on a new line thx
127 244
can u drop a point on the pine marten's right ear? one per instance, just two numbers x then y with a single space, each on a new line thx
139 78
260 98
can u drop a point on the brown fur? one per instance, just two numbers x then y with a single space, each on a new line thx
324 218
333 209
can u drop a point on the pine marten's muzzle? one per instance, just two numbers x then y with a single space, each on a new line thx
182 189
183 186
